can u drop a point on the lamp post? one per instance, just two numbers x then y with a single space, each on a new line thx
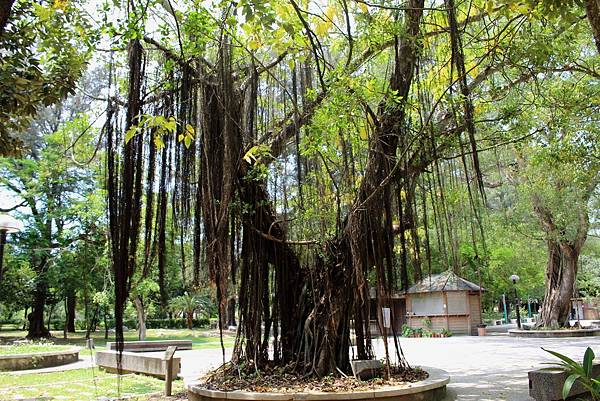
8 224
514 279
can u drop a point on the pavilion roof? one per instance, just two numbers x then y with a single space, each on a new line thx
447 281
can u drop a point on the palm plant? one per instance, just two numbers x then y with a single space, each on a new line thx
583 373
189 304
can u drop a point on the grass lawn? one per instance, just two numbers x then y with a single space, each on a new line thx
80 385
31 348
201 338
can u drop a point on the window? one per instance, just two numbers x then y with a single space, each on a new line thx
428 304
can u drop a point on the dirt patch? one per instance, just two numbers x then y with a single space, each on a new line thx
278 380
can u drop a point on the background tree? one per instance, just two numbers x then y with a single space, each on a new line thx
44 47
190 304
50 186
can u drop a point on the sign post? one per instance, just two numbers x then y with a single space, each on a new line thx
169 353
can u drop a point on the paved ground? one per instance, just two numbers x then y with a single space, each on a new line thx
491 368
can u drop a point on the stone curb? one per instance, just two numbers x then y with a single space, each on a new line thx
554 333
38 360
437 379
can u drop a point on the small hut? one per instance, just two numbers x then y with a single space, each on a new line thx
444 301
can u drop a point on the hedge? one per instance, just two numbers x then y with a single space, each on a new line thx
129 323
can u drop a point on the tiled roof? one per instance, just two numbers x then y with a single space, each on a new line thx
447 281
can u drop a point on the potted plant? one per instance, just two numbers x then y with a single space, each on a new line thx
481 329
446 333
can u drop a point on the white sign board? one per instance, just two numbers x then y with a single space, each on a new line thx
387 320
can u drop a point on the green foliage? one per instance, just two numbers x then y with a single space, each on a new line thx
44 50
160 126
189 304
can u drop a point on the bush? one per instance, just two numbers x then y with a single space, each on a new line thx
163 323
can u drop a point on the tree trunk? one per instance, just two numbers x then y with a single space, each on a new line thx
561 272
50 312
5 9
71 303
25 318
231 312
190 320
105 326
36 317
139 307
93 323
592 8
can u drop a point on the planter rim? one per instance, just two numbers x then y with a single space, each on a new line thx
44 353
437 378
591 332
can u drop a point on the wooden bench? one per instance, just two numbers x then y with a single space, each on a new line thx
151 346
547 385
135 362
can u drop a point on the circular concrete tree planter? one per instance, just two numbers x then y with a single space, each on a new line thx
554 333
38 360
431 389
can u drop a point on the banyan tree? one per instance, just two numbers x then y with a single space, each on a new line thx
295 145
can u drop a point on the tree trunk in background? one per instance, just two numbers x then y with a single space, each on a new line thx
50 312
231 312
105 325
139 307
592 8
37 328
5 8
71 303
25 318
561 272
190 320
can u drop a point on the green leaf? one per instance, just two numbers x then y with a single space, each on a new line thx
568 384
588 361
131 132
254 44
170 125
158 142
568 361
189 129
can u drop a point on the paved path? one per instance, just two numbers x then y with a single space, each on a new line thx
492 368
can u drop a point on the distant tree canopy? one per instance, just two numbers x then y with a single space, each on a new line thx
44 47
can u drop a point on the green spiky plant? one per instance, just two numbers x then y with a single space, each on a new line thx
582 372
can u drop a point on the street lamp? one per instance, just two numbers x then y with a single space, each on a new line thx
8 224
514 279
